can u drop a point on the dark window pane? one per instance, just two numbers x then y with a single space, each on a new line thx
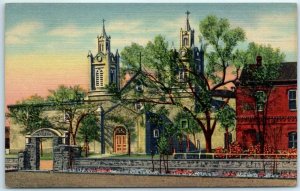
292 104
292 94
292 140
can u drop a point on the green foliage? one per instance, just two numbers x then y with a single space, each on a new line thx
163 145
271 60
131 56
191 127
226 117
161 67
64 94
89 129
69 101
29 114
222 41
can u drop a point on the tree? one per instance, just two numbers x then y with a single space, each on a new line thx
69 102
184 123
226 116
88 131
163 149
161 67
28 113
259 83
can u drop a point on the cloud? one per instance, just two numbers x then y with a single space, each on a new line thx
70 30
278 30
21 33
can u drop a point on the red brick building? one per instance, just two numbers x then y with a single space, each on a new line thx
268 111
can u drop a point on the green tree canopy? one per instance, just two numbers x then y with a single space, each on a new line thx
270 64
28 113
161 67
89 130
69 101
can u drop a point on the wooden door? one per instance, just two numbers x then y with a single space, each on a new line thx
120 140
120 144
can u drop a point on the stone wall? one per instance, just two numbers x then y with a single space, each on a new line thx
11 163
202 164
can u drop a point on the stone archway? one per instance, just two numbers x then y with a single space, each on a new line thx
63 153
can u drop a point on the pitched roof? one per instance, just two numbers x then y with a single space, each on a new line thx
287 72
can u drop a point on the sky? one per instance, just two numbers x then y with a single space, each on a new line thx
47 44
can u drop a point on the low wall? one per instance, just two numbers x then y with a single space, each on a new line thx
238 165
11 164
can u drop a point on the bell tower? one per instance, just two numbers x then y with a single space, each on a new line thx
103 40
187 34
104 67
188 50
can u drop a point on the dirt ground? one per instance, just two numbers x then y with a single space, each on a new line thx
46 164
50 179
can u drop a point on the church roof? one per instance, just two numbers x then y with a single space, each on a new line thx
287 72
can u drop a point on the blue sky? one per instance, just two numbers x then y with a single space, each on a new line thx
47 44
66 28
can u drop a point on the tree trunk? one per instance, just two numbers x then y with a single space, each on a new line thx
208 142
226 139
194 136
152 160
73 138
159 163
86 146
188 142
167 164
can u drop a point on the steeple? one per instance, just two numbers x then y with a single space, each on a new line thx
187 34
103 29
187 25
103 40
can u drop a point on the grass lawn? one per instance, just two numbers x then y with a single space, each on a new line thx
11 156
138 156
46 156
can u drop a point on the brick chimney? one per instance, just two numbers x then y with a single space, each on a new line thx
258 60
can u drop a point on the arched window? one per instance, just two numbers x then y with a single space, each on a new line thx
97 78
292 140
101 78
185 41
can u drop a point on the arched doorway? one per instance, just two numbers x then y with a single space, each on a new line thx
34 150
120 140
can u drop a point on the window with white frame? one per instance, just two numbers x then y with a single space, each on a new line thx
99 77
292 140
261 99
184 123
139 86
185 41
155 133
182 75
292 99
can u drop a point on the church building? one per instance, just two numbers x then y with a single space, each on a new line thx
137 133
141 137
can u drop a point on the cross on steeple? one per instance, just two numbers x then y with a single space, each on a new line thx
187 14
187 27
